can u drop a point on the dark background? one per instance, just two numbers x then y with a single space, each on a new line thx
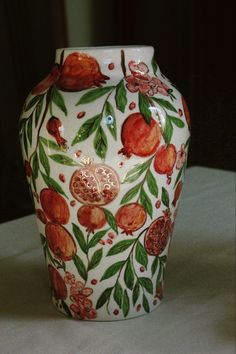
194 45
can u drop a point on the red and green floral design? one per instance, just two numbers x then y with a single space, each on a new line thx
105 157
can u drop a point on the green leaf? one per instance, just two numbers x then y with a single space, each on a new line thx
35 169
147 284
125 305
80 267
152 184
168 130
160 273
94 94
146 202
144 105
178 122
112 270
109 111
179 175
146 304
50 144
129 275
32 102
96 259
87 129
187 143
44 159
136 293
58 100
118 294
120 96
38 110
79 237
103 298
120 247
66 308
22 124
29 130
111 220
63 160
141 254
165 104
136 171
154 265
51 183
96 238
131 194
100 143
154 66
25 142
165 197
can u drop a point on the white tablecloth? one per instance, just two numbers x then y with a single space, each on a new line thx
198 309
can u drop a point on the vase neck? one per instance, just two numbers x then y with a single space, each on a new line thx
116 59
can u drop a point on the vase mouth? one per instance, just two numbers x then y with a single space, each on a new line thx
112 47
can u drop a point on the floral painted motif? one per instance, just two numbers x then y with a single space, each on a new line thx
106 219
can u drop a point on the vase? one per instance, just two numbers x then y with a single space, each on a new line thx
104 139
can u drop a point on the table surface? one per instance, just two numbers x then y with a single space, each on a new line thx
198 309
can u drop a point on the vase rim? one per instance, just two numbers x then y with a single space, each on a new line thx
118 47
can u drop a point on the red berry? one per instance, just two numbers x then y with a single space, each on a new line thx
81 115
78 153
111 235
180 112
138 308
132 105
102 242
142 269
94 281
62 177
111 66
109 241
158 204
116 312
72 203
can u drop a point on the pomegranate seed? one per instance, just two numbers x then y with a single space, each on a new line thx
138 308
132 105
142 269
102 242
111 66
109 241
72 203
154 302
116 312
158 204
80 115
180 112
94 281
62 177
111 235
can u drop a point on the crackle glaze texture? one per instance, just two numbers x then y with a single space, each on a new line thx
104 139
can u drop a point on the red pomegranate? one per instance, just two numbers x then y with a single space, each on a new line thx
92 217
96 184
54 206
58 284
79 72
41 216
165 159
157 235
47 81
131 217
138 137
60 241
54 127
178 191
186 112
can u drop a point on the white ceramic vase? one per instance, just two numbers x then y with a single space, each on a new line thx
104 139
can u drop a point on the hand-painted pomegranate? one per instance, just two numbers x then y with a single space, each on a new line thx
41 215
96 184
60 241
186 112
47 81
54 128
58 284
92 217
158 234
79 72
54 206
165 159
178 191
131 217
138 137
